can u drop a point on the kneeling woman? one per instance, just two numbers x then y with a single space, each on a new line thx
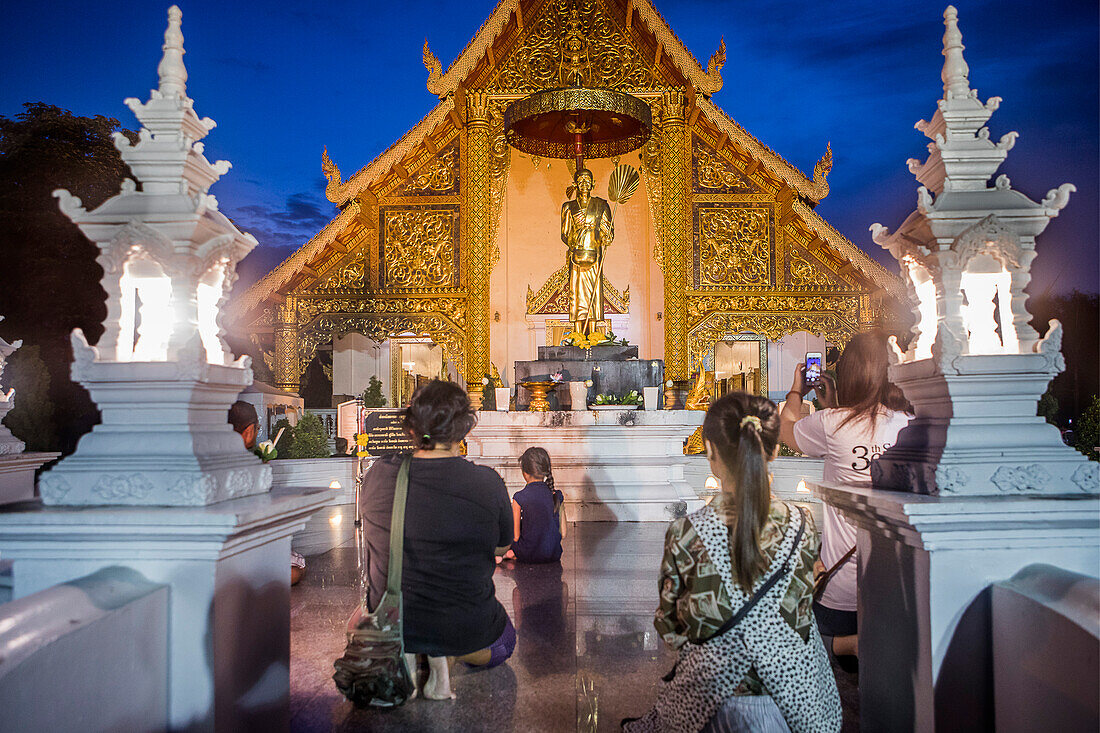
736 586
457 517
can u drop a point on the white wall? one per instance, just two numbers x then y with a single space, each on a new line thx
87 655
355 359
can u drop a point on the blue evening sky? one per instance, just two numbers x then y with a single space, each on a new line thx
283 79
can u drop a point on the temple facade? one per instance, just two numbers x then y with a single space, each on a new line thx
444 257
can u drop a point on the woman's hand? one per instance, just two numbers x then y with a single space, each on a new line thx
790 411
799 385
819 568
826 391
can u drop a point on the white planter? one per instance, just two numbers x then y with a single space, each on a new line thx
652 397
578 396
503 395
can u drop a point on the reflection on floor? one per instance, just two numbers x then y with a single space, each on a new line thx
587 654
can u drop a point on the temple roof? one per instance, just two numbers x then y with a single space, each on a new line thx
508 19
706 81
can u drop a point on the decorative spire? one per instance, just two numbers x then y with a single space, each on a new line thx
955 71
173 74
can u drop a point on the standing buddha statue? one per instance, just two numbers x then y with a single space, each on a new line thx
586 230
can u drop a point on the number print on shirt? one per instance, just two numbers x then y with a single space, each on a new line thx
864 455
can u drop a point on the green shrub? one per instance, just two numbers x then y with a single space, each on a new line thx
1087 430
310 439
372 395
1048 407
287 441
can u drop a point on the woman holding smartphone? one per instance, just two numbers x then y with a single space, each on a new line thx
863 413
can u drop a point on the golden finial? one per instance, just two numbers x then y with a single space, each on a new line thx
332 173
821 172
435 69
714 66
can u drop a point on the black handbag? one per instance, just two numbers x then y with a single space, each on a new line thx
372 672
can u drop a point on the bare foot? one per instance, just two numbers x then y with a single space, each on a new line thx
438 686
410 664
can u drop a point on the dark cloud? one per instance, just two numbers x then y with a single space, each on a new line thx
293 224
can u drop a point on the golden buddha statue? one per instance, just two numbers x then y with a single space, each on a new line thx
698 398
586 230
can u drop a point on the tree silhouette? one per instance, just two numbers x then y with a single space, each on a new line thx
56 279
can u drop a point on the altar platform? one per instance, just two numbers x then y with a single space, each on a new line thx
614 465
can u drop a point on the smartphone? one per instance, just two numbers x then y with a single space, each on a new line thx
813 367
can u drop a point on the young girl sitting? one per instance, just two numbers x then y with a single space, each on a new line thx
536 510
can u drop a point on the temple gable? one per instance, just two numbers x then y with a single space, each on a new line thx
451 235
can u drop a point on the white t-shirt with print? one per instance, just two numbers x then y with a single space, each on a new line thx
848 451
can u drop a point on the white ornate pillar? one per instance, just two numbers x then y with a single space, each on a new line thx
978 486
163 484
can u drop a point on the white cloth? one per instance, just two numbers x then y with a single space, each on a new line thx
748 714
848 451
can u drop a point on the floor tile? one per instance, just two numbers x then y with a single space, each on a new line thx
586 656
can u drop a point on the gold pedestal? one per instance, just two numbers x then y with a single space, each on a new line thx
475 391
538 391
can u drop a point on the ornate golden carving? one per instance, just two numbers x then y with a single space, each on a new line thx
717 61
593 47
477 210
846 306
332 173
435 69
733 247
352 275
381 327
821 173
288 365
552 297
499 164
773 326
714 174
675 157
454 309
438 177
419 247
803 273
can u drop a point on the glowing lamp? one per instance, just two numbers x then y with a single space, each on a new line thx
975 368
801 488
161 374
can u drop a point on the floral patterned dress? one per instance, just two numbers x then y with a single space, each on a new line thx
776 641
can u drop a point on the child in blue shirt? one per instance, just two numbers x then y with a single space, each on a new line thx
536 510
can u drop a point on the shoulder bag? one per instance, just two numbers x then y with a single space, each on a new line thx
372 672
823 580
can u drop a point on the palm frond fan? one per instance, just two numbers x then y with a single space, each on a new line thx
622 184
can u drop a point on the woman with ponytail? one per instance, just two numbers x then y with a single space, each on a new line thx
536 511
735 589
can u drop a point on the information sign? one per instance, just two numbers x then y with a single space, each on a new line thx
384 432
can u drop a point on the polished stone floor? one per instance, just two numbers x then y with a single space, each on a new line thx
587 653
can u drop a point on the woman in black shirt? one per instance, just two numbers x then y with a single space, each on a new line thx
457 517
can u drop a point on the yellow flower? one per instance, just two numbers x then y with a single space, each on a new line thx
596 338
